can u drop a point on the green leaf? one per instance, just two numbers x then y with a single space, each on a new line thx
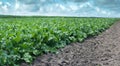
27 57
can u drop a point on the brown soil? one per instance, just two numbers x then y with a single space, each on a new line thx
102 50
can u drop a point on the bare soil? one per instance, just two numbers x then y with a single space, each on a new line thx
101 50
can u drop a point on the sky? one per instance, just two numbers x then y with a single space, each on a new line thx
84 8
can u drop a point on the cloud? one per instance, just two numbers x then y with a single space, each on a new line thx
61 7
4 7
0 3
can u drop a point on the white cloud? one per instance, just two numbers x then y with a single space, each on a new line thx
61 7
17 6
74 7
8 4
0 3
5 8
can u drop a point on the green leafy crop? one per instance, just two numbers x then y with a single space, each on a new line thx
22 39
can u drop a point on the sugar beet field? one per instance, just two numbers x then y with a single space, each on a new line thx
23 39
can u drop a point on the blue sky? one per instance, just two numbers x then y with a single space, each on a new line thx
103 8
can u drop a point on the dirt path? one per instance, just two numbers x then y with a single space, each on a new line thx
102 50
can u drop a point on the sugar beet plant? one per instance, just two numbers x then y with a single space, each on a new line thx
22 39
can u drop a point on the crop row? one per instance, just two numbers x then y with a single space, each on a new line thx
22 39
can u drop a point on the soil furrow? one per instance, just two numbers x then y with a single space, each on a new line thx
101 50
